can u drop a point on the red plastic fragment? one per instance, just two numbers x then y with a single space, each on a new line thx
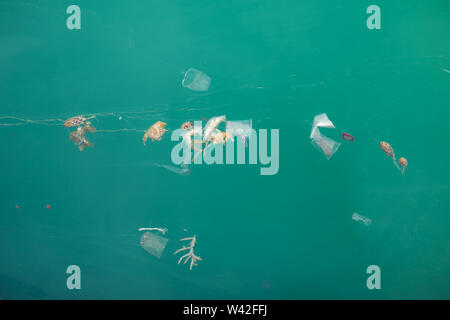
347 137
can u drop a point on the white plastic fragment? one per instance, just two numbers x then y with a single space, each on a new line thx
321 120
196 80
325 145
153 243
211 126
239 128
364 220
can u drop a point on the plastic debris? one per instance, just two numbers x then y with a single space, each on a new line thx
211 126
76 121
155 132
190 254
347 136
162 230
403 163
183 171
187 125
321 120
79 136
240 128
196 80
389 151
364 220
18 207
187 136
153 243
325 145
47 206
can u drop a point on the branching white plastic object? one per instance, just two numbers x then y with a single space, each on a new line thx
190 254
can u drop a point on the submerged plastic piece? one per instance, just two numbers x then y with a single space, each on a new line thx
211 126
196 80
325 145
364 220
153 244
239 128
79 136
182 171
347 137
155 132
321 120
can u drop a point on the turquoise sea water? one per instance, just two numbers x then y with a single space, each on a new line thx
285 236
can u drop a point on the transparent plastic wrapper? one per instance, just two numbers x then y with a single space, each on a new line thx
321 120
325 145
364 220
182 170
196 80
239 128
153 243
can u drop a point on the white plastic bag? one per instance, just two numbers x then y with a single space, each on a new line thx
325 145
321 120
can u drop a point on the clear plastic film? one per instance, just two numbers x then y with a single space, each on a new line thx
153 243
239 128
196 80
362 219
325 145
321 120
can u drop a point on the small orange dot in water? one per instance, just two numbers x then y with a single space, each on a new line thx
47 206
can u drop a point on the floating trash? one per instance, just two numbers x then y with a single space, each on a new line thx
239 128
321 120
183 171
187 125
76 121
79 136
155 132
211 126
325 145
153 244
403 163
162 230
364 220
389 151
18 207
196 80
190 254
347 137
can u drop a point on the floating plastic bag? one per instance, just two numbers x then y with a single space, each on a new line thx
153 244
364 220
321 120
196 80
239 128
325 145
